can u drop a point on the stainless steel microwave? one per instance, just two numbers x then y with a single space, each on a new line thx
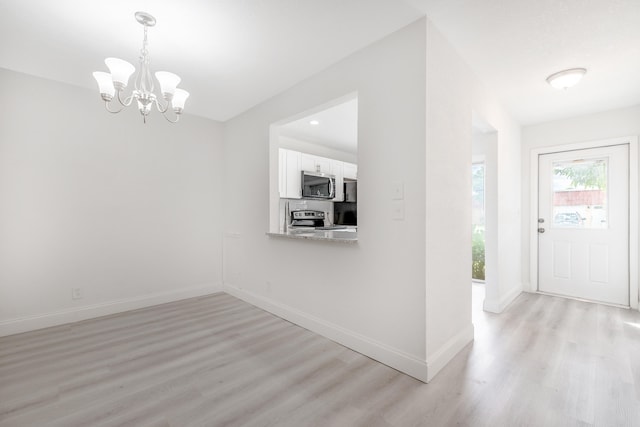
316 185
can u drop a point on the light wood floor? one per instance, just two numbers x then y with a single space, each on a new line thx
217 361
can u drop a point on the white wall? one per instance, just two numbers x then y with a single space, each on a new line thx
605 125
448 201
130 213
371 295
453 92
402 295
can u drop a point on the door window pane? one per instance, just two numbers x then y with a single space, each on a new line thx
580 194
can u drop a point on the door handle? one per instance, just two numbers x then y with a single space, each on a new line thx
540 230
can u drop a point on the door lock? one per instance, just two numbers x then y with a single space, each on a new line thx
540 230
540 220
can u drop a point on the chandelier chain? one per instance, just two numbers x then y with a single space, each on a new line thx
145 44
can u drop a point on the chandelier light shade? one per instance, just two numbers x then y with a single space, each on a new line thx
112 84
120 71
566 78
179 98
168 82
105 84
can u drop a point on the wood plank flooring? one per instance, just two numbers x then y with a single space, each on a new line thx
217 361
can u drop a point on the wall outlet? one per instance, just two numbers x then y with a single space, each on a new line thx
76 293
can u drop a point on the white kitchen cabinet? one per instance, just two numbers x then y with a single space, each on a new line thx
323 165
290 167
292 163
350 170
336 170
313 163
282 172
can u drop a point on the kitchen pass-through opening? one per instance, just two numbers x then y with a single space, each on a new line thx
314 172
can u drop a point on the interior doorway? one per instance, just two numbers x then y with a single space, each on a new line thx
484 199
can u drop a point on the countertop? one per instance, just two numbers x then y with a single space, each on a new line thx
340 235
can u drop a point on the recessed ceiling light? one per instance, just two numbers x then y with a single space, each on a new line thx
566 78
314 122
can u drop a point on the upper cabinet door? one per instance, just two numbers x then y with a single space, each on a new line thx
290 184
350 170
308 162
311 163
336 169
323 165
282 172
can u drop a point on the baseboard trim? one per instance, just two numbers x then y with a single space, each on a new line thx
499 306
448 351
76 314
383 353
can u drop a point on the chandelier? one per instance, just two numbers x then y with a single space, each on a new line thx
113 84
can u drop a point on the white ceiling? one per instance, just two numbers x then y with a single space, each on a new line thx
513 45
231 54
234 54
337 127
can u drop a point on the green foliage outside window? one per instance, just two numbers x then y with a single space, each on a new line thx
477 238
477 253
587 175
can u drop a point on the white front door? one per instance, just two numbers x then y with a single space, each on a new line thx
583 220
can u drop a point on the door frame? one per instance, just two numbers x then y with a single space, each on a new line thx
632 141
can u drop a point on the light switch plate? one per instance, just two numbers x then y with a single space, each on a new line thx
397 190
398 210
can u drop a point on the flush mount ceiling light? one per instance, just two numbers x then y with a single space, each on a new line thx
114 83
566 78
314 122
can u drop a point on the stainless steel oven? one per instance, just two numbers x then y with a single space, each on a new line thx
307 218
